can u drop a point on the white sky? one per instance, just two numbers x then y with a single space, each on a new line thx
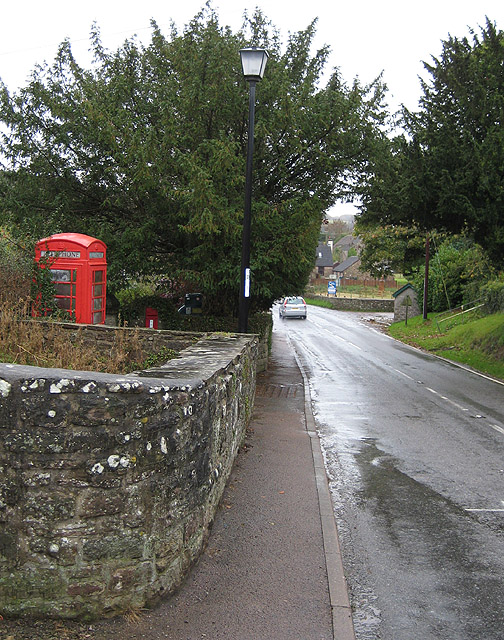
366 36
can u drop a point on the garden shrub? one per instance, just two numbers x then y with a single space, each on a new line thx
493 295
16 268
457 270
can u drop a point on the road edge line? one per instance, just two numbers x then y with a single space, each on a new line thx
341 610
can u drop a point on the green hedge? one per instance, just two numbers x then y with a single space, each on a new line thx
493 295
133 314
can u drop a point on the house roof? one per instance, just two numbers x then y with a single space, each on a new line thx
346 241
343 266
323 256
399 291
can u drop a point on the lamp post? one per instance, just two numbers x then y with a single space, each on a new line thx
253 64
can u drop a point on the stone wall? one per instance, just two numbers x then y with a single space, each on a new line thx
264 349
359 304
103 337
109 484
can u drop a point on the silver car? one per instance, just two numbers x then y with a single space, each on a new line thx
293 307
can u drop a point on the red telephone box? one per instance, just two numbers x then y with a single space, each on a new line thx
78 268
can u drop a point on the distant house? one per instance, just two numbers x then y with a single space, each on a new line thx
349 268
346 243
323 262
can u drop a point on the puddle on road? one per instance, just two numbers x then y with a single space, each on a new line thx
441 569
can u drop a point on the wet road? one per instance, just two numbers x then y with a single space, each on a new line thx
414 450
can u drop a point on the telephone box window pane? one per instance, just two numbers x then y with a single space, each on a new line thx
73 290
98 290
97 317
63 303
97 303
60 275
97 276
63 289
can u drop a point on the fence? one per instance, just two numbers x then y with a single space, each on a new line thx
388 283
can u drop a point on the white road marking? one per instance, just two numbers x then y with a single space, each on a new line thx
461 408
490 510
497 428
334 335
403 374
346 341
486 510
455 404
452 402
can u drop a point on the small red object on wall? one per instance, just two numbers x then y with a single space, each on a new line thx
78 266
151 318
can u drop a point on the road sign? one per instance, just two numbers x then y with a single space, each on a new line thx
331 288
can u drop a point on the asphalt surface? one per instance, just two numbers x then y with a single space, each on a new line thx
413 446
272 569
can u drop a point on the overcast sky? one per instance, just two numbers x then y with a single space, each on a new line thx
366 37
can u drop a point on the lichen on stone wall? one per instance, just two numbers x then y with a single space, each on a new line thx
109 484
5 388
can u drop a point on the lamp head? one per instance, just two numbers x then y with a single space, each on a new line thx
253 62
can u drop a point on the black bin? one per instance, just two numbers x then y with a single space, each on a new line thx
193 304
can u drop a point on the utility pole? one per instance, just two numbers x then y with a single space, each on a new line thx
426 278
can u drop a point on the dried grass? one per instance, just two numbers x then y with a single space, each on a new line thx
44 344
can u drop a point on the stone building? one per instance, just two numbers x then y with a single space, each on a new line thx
405 303
346 243
349 268
323 261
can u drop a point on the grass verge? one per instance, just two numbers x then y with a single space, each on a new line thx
317 302
477 343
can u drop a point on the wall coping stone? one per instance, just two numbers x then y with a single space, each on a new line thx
201 359
191 368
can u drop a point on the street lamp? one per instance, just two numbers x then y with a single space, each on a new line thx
253 64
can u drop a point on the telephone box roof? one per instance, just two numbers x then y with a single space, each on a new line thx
77 238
